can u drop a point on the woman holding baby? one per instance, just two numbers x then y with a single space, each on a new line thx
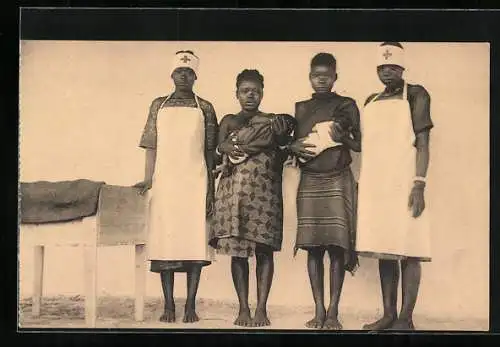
327 130
248 214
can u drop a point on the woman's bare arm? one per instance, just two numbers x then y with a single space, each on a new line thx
423 153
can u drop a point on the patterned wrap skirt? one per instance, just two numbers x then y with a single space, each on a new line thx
248 214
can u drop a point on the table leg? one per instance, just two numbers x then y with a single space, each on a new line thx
38 280
140 281
90 285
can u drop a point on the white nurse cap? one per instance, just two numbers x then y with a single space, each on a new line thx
390 53
185 59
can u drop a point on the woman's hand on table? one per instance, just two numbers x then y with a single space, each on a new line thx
144 186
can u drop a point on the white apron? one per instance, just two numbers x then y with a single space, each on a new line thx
388 159
178 229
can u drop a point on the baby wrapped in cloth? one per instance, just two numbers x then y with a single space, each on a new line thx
254 137
321 136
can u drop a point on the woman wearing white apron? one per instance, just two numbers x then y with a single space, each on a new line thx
392 224
180 138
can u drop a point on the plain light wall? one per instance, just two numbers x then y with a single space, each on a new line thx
83 106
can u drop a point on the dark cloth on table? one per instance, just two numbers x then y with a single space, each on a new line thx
52 202
419 101
324 107
326 213
121 210
249 201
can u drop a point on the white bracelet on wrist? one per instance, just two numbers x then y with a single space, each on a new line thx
420 179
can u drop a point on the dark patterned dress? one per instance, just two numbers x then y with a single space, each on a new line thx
248 213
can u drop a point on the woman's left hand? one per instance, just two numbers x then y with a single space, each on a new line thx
338 133
416 201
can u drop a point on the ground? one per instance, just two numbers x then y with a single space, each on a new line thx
118 312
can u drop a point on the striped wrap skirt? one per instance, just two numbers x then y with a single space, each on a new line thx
326 213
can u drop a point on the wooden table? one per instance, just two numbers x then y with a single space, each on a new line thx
86 235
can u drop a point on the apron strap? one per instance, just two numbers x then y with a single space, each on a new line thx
200 110
164 101
375 98
170 95
197 99
405 94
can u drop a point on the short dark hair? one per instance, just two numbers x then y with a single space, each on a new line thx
187 51
250 75
324 59
397 44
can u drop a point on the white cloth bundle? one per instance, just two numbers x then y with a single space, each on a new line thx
321 138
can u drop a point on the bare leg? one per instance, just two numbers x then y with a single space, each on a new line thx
315 269
239 271
193 281
265 272
389 278
167 284
411 272
337 274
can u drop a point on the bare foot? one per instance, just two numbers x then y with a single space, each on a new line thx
168 316
332 323
244 319
260 319
190 315
403 324
382 324
318 320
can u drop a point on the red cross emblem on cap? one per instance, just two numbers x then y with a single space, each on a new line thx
387 54
185 59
